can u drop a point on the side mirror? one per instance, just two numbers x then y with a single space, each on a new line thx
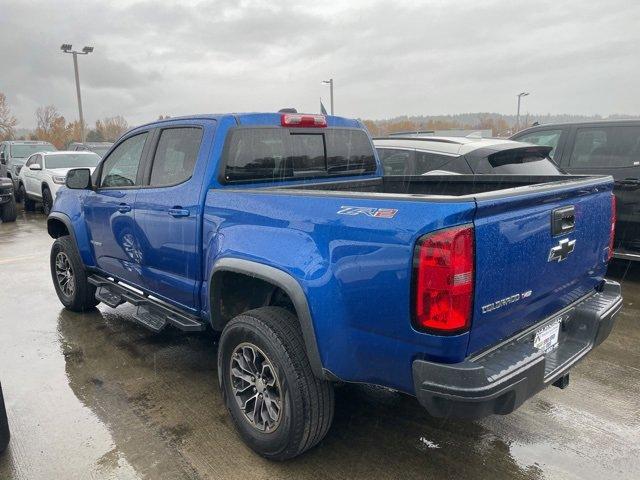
79 179
35 166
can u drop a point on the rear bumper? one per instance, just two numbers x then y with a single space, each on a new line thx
500 380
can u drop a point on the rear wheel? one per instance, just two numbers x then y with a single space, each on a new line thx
278 405
29 204
8 212
70 277
47 201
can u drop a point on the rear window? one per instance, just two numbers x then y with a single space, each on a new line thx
521 161
265 153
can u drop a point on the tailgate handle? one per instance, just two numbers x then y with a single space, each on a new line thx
563 220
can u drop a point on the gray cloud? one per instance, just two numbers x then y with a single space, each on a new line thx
387 58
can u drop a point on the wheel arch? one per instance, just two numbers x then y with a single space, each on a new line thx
59 225
279 280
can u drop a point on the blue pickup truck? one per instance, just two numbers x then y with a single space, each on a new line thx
279 231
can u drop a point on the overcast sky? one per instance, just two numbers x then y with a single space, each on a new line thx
387 58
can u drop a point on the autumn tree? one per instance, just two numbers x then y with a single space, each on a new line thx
75 132
7 121
110 128
52 127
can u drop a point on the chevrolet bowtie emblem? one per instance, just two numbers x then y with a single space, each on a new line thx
562 250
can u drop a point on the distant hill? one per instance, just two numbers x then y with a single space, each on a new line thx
500 124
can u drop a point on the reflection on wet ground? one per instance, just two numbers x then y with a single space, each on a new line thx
96 396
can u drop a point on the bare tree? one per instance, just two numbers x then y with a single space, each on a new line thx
7 121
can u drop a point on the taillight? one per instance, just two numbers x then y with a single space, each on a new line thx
302 120
612 232
443 281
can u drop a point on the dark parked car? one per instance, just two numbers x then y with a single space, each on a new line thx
4 425
7 201
420 155
603 148
96 147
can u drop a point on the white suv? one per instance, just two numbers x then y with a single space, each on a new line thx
45 172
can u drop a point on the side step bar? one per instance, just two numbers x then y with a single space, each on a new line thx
151 313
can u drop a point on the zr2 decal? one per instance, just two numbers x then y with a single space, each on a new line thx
369 211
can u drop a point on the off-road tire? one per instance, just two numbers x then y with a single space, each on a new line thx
83 296
308 401
47 201
8 211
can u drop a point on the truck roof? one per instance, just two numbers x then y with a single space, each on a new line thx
254 118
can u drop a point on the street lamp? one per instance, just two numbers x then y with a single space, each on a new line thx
67 48
330 83
520 95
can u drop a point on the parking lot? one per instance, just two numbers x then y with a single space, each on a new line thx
97 396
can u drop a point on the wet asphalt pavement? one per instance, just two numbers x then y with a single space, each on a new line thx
97 396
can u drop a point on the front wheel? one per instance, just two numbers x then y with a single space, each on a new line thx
70 277
8 211
280 408
29 204
47 201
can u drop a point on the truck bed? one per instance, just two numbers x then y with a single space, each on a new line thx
449 185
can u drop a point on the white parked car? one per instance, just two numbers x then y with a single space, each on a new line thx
45 172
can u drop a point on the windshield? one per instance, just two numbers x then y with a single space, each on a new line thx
72 160
24 150
100 150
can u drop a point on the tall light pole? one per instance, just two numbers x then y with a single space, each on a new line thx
520 95
330 83
67 48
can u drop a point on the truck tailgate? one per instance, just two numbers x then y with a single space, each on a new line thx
519 280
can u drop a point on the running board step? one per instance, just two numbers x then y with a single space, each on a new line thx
151 313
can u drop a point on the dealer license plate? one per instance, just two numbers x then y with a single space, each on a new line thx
546 339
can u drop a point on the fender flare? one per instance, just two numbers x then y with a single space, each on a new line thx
65 220
292 288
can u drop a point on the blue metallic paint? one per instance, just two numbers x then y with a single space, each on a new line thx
354 270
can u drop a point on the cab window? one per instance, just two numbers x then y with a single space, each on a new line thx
120 169
607 147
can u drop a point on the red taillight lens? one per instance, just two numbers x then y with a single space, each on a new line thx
302 120
612 232
443 281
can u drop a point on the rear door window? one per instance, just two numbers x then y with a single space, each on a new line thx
606 147
396 161
265 153
548 138
175 156
427 162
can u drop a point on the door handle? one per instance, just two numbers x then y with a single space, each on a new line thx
178 212
124 208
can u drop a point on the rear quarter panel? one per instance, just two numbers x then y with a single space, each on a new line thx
354 270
